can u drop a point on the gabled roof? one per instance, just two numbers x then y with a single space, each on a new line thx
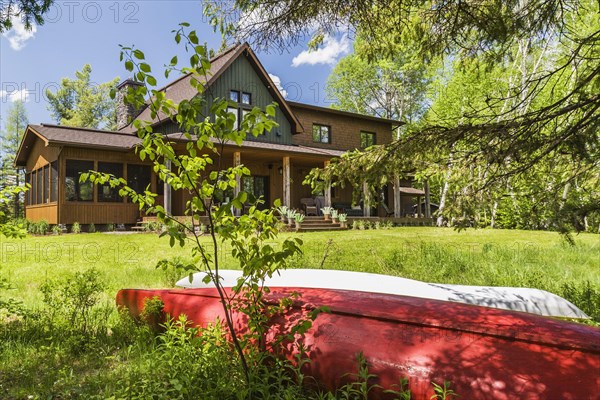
335 111
55 135
181 89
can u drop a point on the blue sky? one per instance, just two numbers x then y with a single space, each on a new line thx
89 32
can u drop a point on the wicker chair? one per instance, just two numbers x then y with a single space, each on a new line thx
309 206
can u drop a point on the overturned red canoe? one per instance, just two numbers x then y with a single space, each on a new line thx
486 353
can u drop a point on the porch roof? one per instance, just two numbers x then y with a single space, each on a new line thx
284 148
411 191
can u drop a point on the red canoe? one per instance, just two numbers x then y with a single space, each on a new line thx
486 353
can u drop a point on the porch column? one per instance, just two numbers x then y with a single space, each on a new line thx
237 160
419 206
366 202
327 189
287 196
167 193
397 199
427 199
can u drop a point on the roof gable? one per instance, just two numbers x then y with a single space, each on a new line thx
56 135
181 89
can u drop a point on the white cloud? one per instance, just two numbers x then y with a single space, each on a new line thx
328 53
22 95
277 81
18 36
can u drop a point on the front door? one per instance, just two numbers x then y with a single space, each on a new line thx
258 186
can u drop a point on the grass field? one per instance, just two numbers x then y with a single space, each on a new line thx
59 349
541 260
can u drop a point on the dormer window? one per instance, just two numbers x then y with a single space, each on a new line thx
234 96
321 133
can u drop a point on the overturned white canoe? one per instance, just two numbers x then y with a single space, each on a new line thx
533 301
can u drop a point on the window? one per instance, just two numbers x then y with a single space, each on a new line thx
33 187
54 181
367 139
234 111
234 96
28 193
138 177
257 186
105 192
46 198
321 133
39 194
246 98
75 190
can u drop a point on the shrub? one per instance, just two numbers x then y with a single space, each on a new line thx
43 227
75 228
56 230
91 228
74 298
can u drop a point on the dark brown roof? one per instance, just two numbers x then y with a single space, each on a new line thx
287 148
411 191
293 105
56 135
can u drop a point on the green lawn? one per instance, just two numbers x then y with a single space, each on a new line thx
46 352
479 257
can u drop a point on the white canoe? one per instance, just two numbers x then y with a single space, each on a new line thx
533 301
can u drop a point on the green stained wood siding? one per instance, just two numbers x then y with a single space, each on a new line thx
241 76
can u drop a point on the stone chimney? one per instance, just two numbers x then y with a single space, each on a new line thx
125 112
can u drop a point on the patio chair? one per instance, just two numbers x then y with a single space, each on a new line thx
309 206
388 212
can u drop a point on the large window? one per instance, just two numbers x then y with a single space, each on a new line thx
39 187
28 193
54 181
46 198
367 139
105 192
242 101
138 177
235 112
321 133
75 190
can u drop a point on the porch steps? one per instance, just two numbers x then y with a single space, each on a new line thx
315 224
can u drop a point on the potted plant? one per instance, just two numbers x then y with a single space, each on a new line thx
343 218
282 210
290 216
299 219
326 212
334 216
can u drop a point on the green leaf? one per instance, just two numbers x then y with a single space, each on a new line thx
129 65
145 67
138 54
151 80
174 60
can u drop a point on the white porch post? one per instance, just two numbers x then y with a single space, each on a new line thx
367 202
427 200
419 207
327 189
287 196
397 202
237 160
167 193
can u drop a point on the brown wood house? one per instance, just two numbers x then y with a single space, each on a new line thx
307 137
